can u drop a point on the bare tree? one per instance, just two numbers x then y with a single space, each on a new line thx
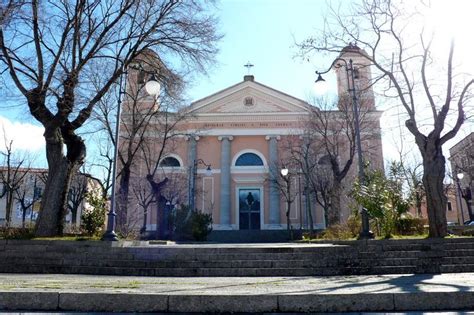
77 194
146 129
385 26
49 49
326 152
12 174
288 172
145 199
27 195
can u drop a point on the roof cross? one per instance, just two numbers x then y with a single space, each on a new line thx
248 66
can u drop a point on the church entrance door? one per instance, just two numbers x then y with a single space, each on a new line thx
249 209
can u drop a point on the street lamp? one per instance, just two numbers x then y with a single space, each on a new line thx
365 232
192 188
153 88
284 171
459 177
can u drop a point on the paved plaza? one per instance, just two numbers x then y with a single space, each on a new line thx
381 293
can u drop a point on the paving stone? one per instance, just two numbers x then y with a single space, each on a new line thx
29 301
220 303
434 301
336 303
110 302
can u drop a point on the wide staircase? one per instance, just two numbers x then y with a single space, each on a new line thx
316 259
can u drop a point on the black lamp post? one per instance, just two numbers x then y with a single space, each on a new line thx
365 232
153 88
460 176
284 173
466 195
192 182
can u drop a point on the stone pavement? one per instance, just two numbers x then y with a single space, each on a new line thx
381 293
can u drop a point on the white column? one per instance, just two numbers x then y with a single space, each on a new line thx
273 163
191 160
225 200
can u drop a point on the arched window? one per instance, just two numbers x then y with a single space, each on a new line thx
170 162
249 159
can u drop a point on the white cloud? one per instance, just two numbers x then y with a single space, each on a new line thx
25 136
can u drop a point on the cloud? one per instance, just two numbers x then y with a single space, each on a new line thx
25 136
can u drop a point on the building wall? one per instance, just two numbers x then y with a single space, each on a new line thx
34 180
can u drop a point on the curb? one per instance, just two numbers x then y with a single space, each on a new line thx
127 302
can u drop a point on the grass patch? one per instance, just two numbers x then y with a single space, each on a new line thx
48 286
119 285
67 238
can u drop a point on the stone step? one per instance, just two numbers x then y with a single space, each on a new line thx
456 268
345 258
453 260
274 269
459 252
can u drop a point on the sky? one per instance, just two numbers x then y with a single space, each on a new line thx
264 32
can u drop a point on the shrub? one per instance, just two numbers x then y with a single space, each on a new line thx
17 233
93 215
343 231
190 225
337 232
354 224
383 198
409 225
180 223
201 225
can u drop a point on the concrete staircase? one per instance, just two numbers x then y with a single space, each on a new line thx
319 259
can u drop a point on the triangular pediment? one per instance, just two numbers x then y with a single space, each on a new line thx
248 97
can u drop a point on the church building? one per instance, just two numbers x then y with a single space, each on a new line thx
229 149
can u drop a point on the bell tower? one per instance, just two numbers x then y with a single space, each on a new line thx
142 69
361 73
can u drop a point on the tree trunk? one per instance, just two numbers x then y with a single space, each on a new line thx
433 177
418 206
60 170
145 218
122 199
334 213
9 207
23 216
308 210
74 215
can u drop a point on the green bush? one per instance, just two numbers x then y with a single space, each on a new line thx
343 231
201 225
337 232
409 225
17 233
190 225
93 216
383 198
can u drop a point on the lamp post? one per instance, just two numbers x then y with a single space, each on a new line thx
320 85
192 182
460 176
153 88
466 195
284 173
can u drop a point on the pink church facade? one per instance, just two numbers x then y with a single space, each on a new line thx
242 134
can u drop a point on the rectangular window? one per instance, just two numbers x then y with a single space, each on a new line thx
450 206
